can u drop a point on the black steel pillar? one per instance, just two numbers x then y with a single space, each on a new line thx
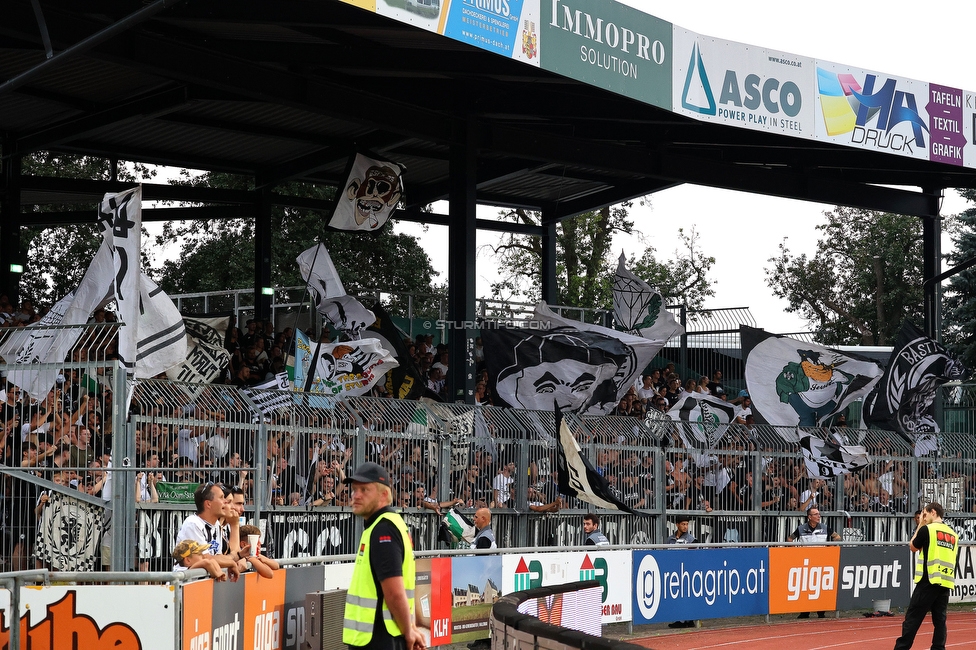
462 244
10 222
262 254
932 264
550 290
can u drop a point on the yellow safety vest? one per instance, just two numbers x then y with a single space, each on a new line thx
940 565
361 599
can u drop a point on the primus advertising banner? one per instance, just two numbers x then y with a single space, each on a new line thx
743 85
677 584
608 45
612 569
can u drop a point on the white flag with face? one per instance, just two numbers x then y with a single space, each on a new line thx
372 191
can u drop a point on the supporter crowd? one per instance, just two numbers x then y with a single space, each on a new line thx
67 438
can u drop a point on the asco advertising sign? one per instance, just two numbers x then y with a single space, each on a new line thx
742 85
668 584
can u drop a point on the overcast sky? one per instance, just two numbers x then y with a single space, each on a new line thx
924 41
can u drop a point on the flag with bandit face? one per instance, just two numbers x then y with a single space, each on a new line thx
372 190
828 458
703 419
555 362
350 368
639 308
903 401
794 383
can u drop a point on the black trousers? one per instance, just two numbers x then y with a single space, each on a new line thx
927 598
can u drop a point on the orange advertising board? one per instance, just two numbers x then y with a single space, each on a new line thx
197 614
803 579
264 610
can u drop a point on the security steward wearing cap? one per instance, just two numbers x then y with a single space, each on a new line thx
380 602
935 576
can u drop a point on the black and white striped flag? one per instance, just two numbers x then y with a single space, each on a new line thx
828 458
271 395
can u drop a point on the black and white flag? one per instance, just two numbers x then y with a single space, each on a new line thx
639 308
162 332
554 362
405 381
68 534
41 342
373 189
576 475
344 312
903 401
120 219
795 383
702 418
206 356
828 458
271 395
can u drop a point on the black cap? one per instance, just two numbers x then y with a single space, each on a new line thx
682 519
369 473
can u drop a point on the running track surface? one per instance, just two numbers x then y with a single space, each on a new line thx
815 634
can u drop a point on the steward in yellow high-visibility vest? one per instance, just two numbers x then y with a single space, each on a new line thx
380 610
935 574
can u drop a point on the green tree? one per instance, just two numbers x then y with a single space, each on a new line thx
585 262
684 276
863 280
57 257
959 317
219 255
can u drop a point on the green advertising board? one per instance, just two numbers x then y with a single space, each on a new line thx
609 45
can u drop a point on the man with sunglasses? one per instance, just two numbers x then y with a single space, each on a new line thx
207 527
814 531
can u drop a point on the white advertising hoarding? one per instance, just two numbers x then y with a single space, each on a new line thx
95 616
742 85
612 569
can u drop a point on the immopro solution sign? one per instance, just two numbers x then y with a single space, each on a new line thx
678 584
608 45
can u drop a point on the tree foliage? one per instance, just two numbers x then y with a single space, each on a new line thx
219 255
960 298
215 255
863 280
56 258
585 262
